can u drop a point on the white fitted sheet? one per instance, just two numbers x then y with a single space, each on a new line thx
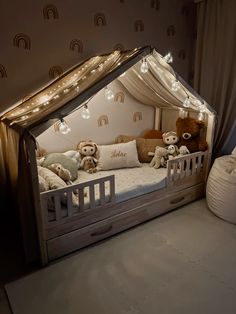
129 182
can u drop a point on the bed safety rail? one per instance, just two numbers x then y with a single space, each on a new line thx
186 167
74 199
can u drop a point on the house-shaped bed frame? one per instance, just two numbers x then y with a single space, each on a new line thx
186 175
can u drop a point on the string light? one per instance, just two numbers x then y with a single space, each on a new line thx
123 74
66 90
108 93
144 66
85 114
202 109
63 127
168 58
56 96
175 86
187 102
183 113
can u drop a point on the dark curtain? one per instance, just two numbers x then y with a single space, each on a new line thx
215 67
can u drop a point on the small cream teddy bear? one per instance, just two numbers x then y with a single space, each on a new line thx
160 152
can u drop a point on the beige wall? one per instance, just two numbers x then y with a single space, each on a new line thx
37 41
109 118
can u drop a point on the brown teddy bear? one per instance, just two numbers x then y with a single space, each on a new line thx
188 131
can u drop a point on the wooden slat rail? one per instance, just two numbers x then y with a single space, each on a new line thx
77 193
185 166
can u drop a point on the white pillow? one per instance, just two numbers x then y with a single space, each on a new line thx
115 156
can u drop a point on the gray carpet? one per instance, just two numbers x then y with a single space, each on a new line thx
182 263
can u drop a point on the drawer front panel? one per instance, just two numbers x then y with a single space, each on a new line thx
79 238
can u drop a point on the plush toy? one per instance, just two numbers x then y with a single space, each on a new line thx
88 151
170 138
172 152
152 134
160 152
183 151
188 130
89 164
63 173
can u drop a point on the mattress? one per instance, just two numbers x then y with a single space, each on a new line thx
129 182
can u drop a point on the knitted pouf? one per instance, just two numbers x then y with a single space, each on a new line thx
221 188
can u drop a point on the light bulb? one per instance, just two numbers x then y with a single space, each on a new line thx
202 107
200 116
123 74
85 114
144 66
187 102
175 86
63 127
108 93
182 113
168 58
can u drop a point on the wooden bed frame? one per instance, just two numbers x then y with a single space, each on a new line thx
70 230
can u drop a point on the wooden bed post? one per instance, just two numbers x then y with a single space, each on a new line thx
37 203
158 117
209 139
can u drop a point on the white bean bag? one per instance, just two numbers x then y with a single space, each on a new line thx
221 188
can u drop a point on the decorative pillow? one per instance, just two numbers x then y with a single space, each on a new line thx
43 185
67 163
115 156
143 146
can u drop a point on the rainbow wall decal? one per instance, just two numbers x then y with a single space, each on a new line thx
155 4
182 54
3 72
119 97
77 45
119 47
139 26
103 120
50 12
20 40
55 71
137 116
170 30
99 19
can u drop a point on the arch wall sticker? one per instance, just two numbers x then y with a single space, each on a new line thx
139 26
185 10
155 4
77 45
50 12
3 72
20 40
171 30
119 47
55 71
119 97
103 120
182 54
137 116
100 20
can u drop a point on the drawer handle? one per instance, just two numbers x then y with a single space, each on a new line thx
101 231
177 200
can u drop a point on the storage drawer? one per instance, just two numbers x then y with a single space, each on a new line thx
79 238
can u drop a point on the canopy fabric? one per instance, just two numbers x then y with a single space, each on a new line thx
154 88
